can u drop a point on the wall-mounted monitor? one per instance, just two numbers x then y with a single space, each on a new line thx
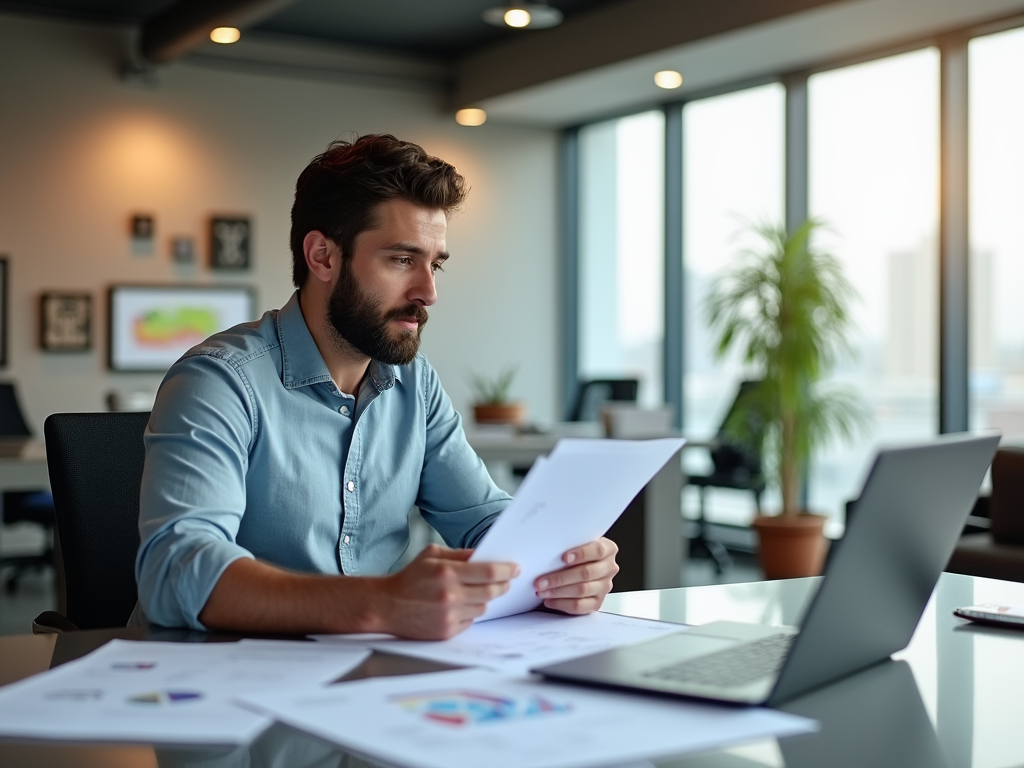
151 326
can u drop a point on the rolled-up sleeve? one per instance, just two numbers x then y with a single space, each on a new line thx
193 487
456 496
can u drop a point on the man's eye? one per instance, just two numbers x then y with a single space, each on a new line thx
436 266
403 260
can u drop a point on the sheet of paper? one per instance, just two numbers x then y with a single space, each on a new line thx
514 644
470 718
572 498
165 693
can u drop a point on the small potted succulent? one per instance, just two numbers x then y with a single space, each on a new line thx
491 403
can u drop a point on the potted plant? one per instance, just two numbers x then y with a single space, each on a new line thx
491 399
785 308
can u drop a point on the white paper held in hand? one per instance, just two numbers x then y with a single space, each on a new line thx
571 498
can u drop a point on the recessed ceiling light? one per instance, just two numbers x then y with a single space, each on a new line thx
668 79
523 15
225 35
471 116
517 17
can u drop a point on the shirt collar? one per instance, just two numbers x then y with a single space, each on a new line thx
303 364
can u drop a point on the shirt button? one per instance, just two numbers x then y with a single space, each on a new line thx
350 485
347 539
343 410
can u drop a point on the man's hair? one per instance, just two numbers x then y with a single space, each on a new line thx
339 191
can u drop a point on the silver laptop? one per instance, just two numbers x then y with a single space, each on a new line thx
876 585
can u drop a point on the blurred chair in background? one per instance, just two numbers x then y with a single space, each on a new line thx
736 467
34 507
594 393
999 552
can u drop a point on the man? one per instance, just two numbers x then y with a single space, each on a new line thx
283 456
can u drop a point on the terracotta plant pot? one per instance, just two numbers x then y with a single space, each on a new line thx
791 547
509 413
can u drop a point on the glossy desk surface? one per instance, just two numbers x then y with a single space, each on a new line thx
954 698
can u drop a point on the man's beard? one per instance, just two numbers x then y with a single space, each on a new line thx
359 322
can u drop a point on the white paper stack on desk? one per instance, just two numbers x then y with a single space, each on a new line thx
165 693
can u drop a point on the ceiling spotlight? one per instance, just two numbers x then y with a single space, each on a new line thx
668 79
471 116
225 35
522 15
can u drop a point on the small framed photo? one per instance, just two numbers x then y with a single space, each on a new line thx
3 310
230 242
142 226
65 323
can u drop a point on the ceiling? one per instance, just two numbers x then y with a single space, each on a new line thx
445 29
599 62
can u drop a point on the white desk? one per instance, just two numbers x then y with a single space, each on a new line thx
650 533
23 466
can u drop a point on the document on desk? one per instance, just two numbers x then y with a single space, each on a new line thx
470 718
571 498
515 643
165 693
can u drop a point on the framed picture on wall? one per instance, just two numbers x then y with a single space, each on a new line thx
230 242
65 322
151 326
3 310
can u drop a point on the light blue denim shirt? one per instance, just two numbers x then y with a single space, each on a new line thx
252 451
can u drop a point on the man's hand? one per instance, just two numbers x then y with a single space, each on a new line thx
580 587
439 594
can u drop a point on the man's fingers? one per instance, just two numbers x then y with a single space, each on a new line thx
594 550
437 552
486 573
590 572
574 606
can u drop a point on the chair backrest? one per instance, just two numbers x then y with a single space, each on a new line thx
728 454
1006 505
12 422
95 463
593 394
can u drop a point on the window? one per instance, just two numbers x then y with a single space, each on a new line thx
733 166
621 233
873 165
996 333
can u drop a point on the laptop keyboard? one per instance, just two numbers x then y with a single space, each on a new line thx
735 666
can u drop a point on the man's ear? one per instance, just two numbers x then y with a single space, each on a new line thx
322 256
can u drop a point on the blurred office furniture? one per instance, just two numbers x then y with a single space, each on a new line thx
594 393
32 505
625 421
997 553
736 467
95 462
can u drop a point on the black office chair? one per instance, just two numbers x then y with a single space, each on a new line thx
95 462
737 466
593 394
34 507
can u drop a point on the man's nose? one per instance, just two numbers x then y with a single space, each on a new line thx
423 290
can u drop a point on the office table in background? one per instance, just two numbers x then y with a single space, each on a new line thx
952 700
23 465
650 533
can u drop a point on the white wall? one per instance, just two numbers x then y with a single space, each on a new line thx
81 150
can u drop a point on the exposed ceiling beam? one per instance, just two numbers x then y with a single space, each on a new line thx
186 24
610 34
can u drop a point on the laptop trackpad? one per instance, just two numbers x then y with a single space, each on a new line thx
678 647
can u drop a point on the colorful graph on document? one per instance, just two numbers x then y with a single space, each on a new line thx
466 708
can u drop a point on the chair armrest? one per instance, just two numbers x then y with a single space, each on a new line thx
52 623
